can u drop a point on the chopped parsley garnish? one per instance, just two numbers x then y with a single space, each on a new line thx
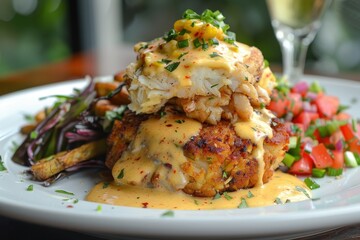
162 114
278 201
168 214
217 196
180 121
29 117
300 189
230 38
2 166
214 54
166 61
75 201
182 32
250 194
212 86
215 18
171 67
227 196
183 54
105 184
262 105
224 175
121 174
196 43
34 135
196 202
64 192
213 41
183 43
170 35
99 208
30 188
204 46
243 203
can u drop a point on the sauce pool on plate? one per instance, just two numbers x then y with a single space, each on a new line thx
281 189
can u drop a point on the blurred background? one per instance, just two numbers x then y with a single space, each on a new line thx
36 32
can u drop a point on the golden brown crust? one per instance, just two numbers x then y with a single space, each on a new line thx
218 160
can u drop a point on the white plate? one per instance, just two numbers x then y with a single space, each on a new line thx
339 202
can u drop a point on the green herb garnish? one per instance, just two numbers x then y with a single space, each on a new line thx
196 43
168 214
64 192
243 203
30 188
2 166
170 35
99 208
183 54
227 196
183 43
214 54
166 61
121 174
171 67
105 184
34 135
300 189
250 194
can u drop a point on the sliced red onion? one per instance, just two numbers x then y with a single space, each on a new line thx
339 145
301 87
312 95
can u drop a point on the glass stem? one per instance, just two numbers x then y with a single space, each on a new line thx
294 48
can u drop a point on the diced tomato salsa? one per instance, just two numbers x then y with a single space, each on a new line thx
327 138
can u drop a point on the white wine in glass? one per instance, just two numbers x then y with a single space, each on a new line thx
295 23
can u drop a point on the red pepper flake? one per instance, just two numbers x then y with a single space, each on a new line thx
145 204
141 172
186 66
187 77
69 206
168 125
196 34
174 171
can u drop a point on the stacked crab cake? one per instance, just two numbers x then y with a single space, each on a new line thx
197 120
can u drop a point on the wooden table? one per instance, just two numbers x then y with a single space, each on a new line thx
105 62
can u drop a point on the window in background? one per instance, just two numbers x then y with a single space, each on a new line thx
33 32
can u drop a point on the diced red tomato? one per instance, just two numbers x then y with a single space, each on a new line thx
303 166
338 160
327 105
278 105
290 103
305 118
295 104
347 132
327 140
321 157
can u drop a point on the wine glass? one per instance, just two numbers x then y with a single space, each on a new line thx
295 23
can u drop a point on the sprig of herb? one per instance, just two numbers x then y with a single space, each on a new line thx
64 192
